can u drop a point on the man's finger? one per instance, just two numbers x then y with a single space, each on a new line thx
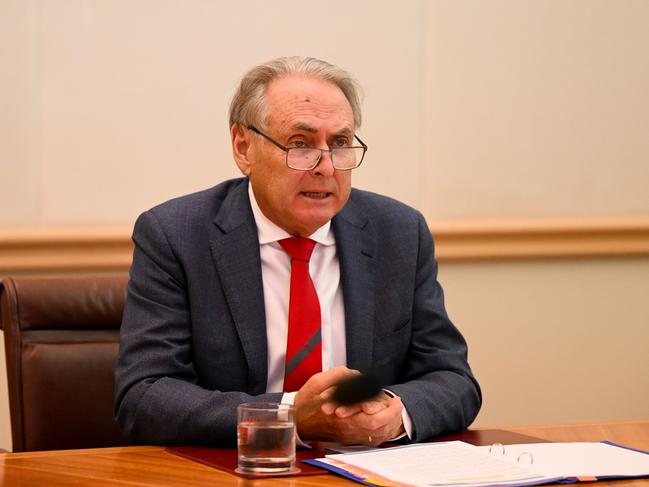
329 408
346 411
325 380
373 407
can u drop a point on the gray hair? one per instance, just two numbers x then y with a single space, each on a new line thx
248 107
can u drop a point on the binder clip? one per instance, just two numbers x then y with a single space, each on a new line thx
526 455
495 446
499 448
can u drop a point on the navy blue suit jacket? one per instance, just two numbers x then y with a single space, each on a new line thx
193 337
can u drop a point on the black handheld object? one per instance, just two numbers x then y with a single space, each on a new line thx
357 389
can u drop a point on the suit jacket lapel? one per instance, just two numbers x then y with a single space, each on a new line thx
235 250
356 246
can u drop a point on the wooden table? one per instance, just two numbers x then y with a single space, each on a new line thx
153 466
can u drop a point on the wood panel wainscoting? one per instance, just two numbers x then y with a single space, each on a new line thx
108 249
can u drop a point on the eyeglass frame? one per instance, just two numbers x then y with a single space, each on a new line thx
322 151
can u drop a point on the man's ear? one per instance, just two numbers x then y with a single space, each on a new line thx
241 147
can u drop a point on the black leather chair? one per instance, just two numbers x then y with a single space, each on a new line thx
61 341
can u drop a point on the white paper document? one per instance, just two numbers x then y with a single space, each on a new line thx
457 463
577 459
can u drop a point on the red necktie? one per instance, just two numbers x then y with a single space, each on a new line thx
304 344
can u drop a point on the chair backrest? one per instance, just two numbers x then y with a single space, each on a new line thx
61 342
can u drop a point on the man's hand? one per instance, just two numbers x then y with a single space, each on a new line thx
312 423
371 422
318 418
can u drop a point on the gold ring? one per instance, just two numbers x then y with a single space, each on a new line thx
369 439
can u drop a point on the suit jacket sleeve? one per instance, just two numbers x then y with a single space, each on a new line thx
159 394
435 381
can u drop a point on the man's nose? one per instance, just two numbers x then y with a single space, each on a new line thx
326 166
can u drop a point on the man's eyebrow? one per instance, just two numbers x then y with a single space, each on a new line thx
311 129
306 127
346 132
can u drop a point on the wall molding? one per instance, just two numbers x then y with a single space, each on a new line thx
108 249
65 249
541 239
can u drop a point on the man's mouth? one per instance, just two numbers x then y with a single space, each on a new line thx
315 194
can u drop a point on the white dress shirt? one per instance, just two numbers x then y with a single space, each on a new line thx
324 268
276 274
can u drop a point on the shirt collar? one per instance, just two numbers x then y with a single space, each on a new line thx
268 232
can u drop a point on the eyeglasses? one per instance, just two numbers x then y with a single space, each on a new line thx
308 158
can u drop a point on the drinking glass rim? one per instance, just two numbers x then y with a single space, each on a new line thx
266 406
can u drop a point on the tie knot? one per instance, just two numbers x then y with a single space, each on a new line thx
298 248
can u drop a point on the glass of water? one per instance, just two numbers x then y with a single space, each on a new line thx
266 438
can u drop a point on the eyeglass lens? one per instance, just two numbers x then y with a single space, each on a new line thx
342 158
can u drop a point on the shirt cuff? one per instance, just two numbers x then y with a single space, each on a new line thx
405 419
289 398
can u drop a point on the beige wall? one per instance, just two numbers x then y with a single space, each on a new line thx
500 109
555 341
536 108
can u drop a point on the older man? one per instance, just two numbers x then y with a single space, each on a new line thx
280 285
